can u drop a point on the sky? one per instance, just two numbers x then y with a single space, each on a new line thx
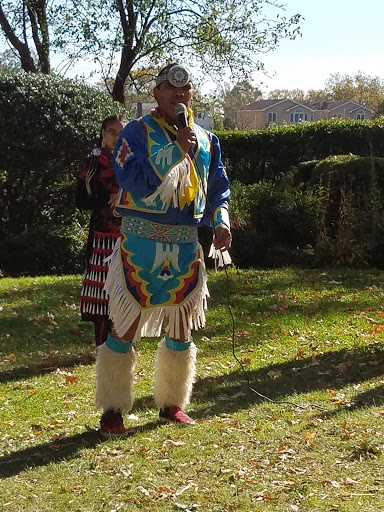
338 36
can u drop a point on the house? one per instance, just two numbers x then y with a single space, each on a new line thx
266 112
142 108
204 120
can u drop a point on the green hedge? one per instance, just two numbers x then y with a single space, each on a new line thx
264 154
295 201
48 125
276 221
336 218
38 251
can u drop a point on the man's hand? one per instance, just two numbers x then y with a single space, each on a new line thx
222 238
113 199
186 137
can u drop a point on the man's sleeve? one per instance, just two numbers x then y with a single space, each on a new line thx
218 188
135 170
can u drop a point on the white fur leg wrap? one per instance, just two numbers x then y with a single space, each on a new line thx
114 379
174 375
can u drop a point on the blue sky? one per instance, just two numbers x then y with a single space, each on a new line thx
338 36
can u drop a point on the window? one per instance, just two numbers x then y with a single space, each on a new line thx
272 117
360 115
298 116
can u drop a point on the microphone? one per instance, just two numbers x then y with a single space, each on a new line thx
181 113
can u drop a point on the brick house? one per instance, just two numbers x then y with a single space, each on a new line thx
265 112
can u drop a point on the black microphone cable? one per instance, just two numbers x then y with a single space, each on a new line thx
267 398
229 308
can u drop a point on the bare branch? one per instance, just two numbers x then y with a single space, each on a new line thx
22 48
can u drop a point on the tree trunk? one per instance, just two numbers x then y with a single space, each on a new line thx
126 63
38 17
23 50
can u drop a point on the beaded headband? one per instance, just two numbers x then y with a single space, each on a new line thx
177 75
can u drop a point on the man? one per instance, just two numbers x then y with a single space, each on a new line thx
171 179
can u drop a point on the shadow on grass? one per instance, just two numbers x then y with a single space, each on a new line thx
332 370
373 397
44 454
59 450
229 393
48 366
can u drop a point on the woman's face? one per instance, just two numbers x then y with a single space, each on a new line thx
112 133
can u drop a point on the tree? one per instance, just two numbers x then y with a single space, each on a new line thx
25 22
9 61
363 89
242 93
299 95
47 126
293 94
218 36
317 95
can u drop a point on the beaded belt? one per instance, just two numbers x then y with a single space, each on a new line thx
168 233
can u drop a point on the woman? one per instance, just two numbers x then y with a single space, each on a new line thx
97 191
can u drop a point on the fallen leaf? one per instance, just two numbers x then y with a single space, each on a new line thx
60 435
261 497
174 443
308 436
314 362
70 379
182 490
342 367
164 491
242 333
274 374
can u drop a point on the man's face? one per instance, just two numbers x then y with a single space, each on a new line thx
167 96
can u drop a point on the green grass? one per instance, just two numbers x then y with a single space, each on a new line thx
311 340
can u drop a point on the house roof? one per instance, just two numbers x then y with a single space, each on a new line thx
361 107
311 105
264 104
328 106
337 104
307 105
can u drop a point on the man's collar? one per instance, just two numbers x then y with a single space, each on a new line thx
158 114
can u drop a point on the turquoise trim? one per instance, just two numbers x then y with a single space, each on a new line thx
165 233
163 156
179 346
117 346
221 218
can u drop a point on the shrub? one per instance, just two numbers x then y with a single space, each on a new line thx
40 251
335 218
351 214
275 220
254 156
48 124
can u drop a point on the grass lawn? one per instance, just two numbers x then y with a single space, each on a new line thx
298 427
